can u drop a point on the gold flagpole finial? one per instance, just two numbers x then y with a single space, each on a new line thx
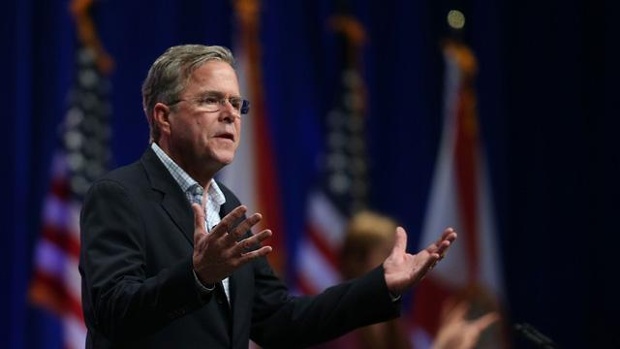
87 34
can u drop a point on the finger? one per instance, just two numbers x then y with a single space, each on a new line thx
252 243
448 234
199 219
435 246
447 306
442 245
263 251
441 250
239 231
485 321
203 201
228 221
458 312
400 241
431 261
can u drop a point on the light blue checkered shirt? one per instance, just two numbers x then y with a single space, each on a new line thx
215 197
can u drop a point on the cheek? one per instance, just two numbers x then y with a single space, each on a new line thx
201 127
185 125
238 130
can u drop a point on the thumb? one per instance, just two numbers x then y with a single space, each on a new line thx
400 241
199 219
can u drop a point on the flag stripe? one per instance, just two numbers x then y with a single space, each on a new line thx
465 168
48 289
328 252
318 275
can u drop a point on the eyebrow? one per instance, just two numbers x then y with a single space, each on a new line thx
216 93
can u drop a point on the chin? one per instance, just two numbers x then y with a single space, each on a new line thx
226 159
226 162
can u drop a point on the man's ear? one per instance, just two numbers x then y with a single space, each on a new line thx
161 117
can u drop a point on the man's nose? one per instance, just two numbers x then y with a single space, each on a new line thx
228 113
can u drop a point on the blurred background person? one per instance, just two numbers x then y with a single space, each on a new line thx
369 238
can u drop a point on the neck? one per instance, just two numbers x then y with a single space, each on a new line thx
202 174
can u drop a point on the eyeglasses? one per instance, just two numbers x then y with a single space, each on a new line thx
211 102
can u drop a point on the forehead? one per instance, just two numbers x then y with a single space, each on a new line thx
214 76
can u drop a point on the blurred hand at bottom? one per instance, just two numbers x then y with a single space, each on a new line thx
458 332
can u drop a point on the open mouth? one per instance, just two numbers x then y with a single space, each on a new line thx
226 135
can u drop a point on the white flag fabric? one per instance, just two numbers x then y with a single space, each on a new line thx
252 176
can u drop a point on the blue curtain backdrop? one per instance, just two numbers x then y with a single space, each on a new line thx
547 91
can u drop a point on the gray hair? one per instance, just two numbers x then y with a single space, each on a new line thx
170 73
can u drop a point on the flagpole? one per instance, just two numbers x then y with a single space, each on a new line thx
87 34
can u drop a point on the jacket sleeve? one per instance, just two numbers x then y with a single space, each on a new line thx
284 321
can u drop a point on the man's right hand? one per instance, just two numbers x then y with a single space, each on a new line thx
218 253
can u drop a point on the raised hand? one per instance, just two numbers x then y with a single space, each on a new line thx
218 253
456 331
404 270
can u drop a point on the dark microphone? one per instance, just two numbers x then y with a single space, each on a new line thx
533 335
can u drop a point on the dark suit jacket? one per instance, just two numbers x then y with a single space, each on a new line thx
138 289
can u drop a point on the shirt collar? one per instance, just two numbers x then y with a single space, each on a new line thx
184 180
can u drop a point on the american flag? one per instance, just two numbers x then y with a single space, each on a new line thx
83 155
342 189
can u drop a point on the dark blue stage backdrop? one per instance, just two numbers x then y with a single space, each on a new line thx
546 100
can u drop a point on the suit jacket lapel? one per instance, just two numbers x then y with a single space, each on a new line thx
173 200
